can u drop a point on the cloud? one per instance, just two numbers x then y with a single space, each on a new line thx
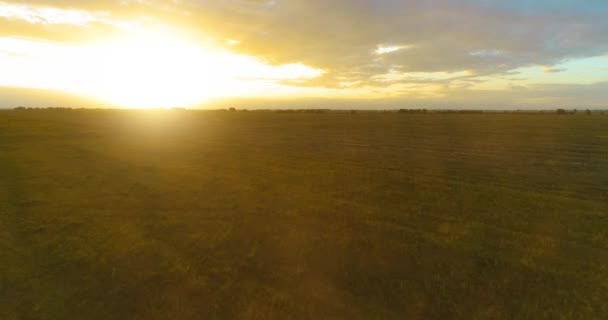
546 96
356 42
483 37
553 70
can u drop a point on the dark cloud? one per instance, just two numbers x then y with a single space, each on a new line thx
554 70
339 36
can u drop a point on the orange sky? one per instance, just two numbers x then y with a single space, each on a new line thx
388 53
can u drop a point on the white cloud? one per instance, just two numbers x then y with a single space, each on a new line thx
45 15
487 53
388 49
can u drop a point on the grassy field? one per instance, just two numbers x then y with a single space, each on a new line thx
251 215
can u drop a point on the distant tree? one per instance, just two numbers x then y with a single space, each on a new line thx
232 109
588 112
413 111
353 111
560 111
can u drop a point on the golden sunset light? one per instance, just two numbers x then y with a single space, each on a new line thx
143 69
146 54
303 159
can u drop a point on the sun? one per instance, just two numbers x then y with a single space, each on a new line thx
151 70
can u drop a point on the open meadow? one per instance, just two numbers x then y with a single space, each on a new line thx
267 215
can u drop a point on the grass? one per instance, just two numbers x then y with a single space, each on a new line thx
251 215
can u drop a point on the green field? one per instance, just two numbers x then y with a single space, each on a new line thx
264 215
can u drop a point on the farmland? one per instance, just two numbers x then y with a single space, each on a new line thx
265 215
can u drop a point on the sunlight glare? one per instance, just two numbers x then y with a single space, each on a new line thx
143 69
151 71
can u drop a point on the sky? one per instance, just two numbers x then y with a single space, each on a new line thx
513 54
